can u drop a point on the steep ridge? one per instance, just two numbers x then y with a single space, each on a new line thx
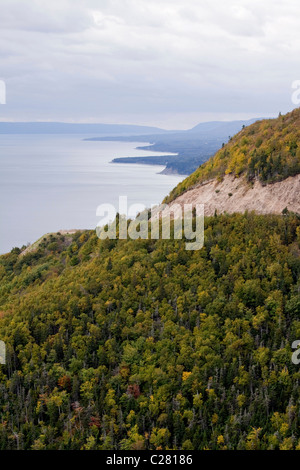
257 170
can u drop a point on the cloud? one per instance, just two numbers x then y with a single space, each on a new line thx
87 60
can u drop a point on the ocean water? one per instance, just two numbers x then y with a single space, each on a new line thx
54 182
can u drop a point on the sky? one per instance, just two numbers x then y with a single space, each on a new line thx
167 63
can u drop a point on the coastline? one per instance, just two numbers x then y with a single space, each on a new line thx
63 181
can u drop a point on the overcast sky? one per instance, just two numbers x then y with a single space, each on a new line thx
171 63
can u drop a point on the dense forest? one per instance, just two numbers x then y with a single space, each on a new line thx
267 150
120 344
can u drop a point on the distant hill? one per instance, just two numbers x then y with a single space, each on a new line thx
74 128
225 128
193 146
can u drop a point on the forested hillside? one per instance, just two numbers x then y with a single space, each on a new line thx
122 344
267 150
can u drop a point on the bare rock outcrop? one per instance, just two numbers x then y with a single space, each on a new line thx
237 195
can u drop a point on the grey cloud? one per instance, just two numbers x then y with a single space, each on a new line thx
99 60
62 16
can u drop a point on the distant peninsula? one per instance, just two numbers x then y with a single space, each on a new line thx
186 150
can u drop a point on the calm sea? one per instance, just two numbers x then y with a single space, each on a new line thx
53 182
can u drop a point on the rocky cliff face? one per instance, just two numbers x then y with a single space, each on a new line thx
237 195
259 168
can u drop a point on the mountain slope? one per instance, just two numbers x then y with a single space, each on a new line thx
267 151
140 344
